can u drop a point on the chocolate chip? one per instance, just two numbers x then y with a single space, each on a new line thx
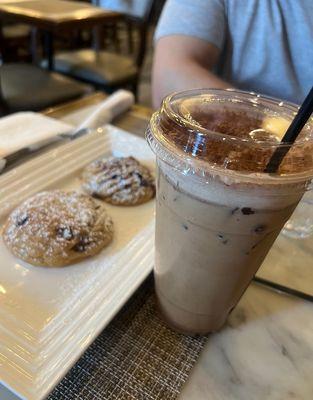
96 195
81 245
247 211
65 232
259 229
139 176
185 227
22 220
234 210
143 181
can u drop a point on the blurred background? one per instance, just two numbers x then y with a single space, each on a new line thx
116 54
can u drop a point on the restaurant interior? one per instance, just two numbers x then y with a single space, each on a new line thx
97 302
123 44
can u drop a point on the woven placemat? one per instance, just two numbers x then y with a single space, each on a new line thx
135 357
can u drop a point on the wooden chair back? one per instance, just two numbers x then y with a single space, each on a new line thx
137 16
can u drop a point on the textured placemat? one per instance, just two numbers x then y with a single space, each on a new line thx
135 357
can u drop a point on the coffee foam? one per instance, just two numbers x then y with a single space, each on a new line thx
230 192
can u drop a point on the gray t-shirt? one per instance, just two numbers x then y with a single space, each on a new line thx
266 45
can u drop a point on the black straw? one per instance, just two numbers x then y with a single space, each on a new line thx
292 133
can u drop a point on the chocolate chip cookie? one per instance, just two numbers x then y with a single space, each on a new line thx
120 181
57 228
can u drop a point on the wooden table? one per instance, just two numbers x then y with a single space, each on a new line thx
53 16
134 121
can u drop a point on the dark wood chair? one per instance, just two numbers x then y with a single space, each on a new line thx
26 87
110 69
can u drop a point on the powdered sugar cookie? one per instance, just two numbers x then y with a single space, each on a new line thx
57 228
120 181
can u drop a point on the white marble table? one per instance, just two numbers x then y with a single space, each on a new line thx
265 352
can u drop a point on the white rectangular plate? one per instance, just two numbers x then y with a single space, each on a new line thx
48 317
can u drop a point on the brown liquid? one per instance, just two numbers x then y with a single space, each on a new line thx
208 252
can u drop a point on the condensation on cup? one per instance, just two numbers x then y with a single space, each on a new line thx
300 224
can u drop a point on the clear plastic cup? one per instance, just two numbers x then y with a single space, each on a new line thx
300 225
217 212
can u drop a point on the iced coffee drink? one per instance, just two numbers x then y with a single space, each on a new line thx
217 212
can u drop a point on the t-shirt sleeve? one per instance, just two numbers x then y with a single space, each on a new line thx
204 19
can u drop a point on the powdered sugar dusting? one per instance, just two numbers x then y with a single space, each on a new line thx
57 228
122 181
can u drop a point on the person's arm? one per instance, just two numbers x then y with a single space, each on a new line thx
183 62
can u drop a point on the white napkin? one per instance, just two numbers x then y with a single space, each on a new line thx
30 130
108 109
